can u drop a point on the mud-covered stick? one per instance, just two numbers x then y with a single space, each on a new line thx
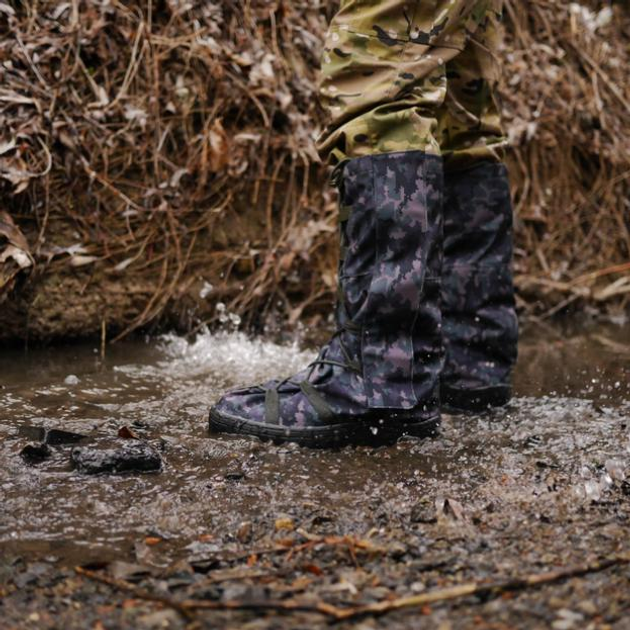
441 595
137 593
489 589
380 608
187 607
288 606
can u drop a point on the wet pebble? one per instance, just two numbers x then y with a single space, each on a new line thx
116 456
244 532
235 475
423 512
418 587
284 523
160 619
35 453
587 607
567 619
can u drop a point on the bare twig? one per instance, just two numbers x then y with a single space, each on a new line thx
472 589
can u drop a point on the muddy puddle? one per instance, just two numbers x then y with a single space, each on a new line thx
541 483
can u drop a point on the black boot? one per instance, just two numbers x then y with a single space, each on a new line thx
378 378
480 326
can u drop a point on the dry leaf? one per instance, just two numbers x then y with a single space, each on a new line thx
15 254
127 434
219 147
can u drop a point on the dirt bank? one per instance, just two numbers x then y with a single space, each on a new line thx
147 150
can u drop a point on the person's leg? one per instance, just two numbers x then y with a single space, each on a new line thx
384 79
384 73
479 319
469 129
374 381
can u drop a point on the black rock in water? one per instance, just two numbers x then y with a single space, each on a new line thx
51 436
116 456
35 453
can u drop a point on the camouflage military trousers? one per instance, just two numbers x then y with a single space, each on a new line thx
413 75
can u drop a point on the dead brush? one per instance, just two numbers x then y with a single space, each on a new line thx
162 140
567 99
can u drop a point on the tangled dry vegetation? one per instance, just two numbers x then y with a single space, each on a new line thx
156 157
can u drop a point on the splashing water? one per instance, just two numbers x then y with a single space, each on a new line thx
565 441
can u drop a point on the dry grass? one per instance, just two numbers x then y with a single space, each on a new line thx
568 104
168 139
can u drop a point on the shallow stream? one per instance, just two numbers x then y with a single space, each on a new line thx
568 428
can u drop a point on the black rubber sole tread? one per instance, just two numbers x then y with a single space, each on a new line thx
474 401
352 433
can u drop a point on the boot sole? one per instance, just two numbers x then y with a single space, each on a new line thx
473 401
365 432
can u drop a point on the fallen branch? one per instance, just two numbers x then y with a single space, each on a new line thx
490 589
484 590
186 608
136 592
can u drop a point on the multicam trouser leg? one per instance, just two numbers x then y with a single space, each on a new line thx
421 75
409 75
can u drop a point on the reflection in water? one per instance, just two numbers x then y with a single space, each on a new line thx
568 429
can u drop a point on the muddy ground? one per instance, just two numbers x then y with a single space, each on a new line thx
292 538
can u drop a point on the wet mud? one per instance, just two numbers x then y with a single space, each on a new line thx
289 537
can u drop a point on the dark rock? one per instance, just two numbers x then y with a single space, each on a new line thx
116 456
58 437
51 436
35 453
423 512
33 573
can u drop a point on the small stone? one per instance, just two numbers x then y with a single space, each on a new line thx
423 512
244 532
285 523
565 613
72 379
234 475
116 456
567 619
160 619
418 587
35 453
450 509
588 607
